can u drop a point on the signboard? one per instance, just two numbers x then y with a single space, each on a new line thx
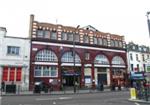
137 75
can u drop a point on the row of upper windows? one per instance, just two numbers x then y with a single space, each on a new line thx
67 36
137 57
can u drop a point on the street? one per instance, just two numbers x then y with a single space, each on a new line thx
101 98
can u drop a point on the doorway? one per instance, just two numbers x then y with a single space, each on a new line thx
102 78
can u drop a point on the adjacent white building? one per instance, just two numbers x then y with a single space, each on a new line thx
14 60
137 58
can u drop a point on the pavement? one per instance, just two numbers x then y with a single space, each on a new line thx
140 101
89 91
78 91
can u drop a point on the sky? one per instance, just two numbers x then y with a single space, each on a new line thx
121 17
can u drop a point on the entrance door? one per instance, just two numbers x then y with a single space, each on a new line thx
69 80
102 78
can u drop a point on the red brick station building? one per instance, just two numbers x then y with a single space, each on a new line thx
65 55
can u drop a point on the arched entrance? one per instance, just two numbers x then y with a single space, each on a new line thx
101 64
118 70
70 70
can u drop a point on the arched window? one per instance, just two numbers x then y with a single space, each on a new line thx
46 55
101 59
117 60
68 57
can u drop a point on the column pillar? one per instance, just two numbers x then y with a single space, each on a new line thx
82 75
59 76
111 76
93 76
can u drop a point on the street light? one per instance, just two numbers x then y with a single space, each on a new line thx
148 21
74 77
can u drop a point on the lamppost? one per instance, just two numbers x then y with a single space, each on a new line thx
148 21
74 75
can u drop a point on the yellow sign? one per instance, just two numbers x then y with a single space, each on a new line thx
133 93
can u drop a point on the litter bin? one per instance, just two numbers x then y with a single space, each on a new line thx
37 88
133 93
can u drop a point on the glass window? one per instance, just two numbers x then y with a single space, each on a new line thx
53 71
131 67
131 57
45 71
85 39
143 58
137 58
37 71
77 38
101 59
53 35
105 42
13 50
100 42
40 33
68 57
46 55
112 43
95 40
47 34
64 36
87 56
70 36
117 60
147 56
116 43
120 44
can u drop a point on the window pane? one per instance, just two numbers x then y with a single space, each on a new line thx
47 34
40 33
37 71
46 71
64 36
13 50
95 40
53 71
70 36
53 35
86 39
100 42
116 43
112 43
77 38
105 42
120 44
46 55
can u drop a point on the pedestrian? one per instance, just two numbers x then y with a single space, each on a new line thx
101 86
3 86
119 85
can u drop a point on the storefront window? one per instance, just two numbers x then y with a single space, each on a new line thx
45 71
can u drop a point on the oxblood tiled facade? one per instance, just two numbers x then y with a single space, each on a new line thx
99 57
